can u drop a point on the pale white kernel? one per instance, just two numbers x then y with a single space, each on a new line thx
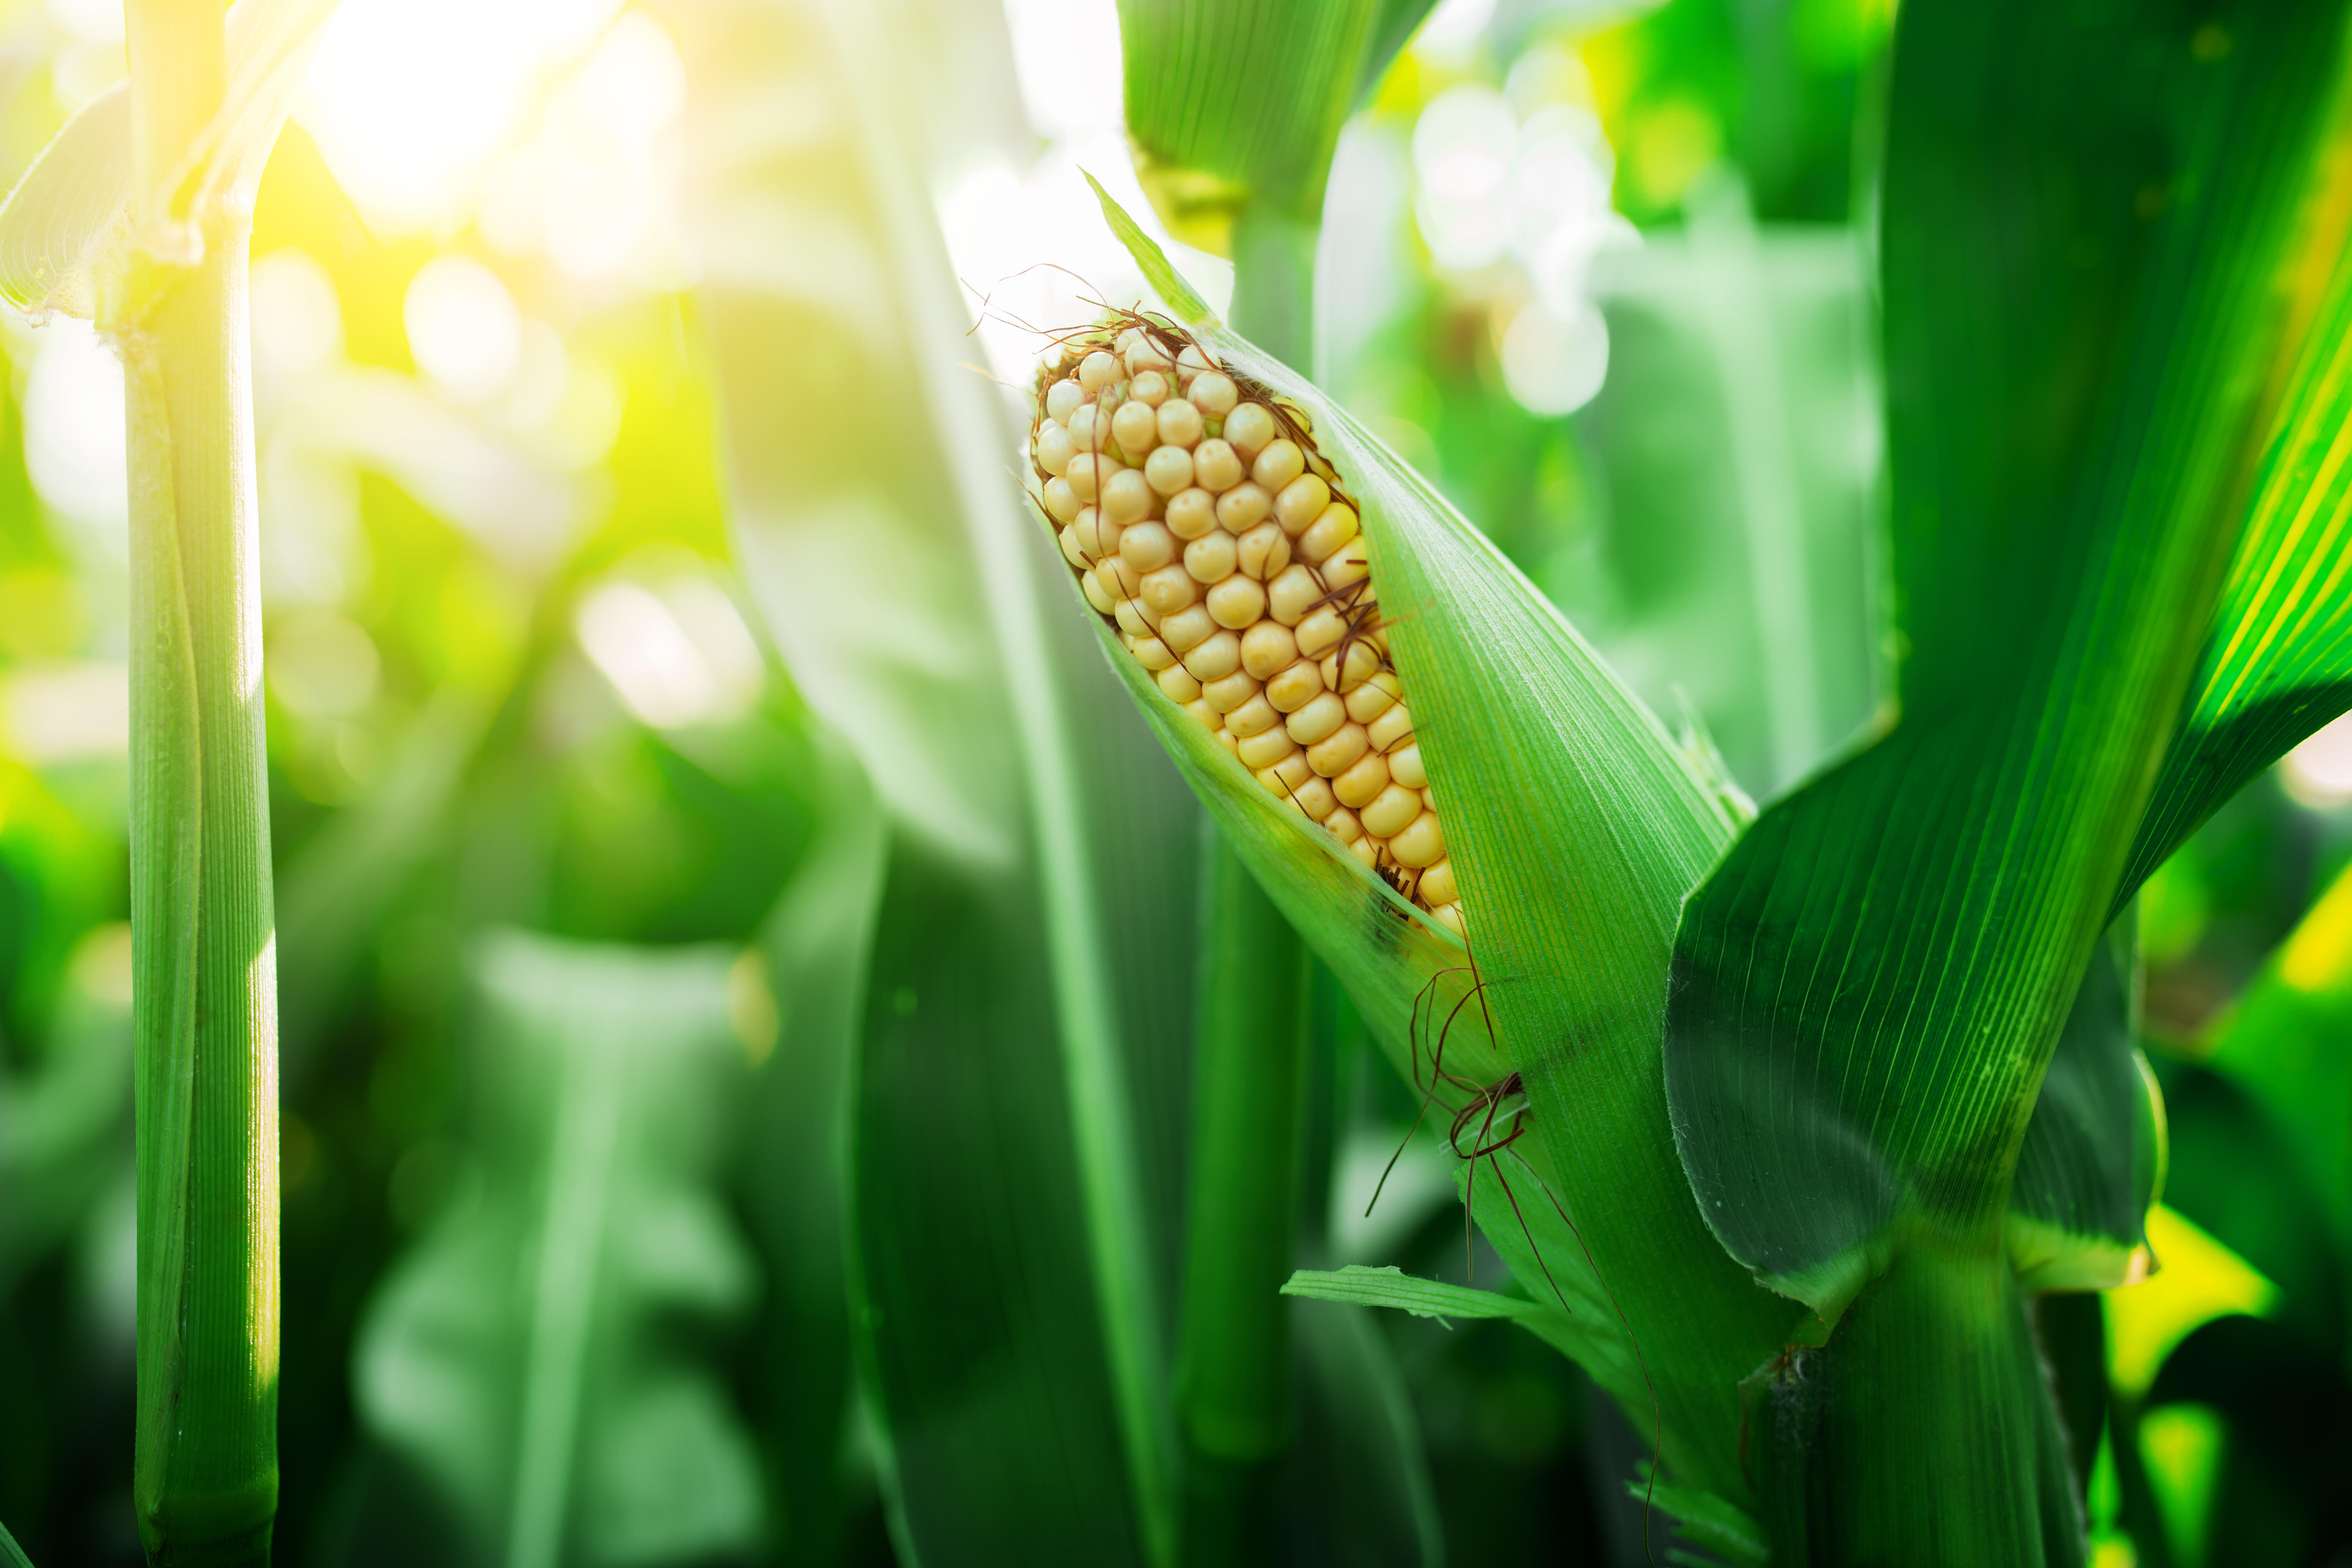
1423 842
1292 594
1150 386
1147 357
1391 811
1268 649
1237 602
1292 689
1300 501
1339 751
1243 508
1147 546
1180 423
1320 630
1361 783
1254 717
1089 472
1264 552
1266 748
1133 426
1167 589
1088 530
1102 601
1062 399
1068 540
1125 498
1097 370
1186 629
1316 719
1060 501
1314 797
1347 565
1332 529
1213 393
1217 466
1374 698
1168 469
1089 428
1275 466
1053 448
1214 658
1228 692
1249 428
1210 559
1193 361
1118 579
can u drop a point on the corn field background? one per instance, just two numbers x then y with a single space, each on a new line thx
786 1048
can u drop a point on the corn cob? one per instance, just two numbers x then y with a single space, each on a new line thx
1206 526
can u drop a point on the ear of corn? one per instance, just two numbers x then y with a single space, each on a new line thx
1573 827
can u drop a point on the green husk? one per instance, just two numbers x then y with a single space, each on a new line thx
1576 826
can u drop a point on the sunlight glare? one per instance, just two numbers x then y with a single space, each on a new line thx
2318 774
74 443
410 99
464 328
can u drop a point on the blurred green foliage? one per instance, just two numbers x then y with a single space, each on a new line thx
460 755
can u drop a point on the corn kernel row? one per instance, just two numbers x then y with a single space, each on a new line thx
1202 521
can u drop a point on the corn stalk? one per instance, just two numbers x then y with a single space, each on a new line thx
138 215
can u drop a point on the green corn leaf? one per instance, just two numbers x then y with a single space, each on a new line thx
2277 663
1868 991
1014 1202
2286 1049
1234 108
66 230
1706 1520
1393 1287
11 1555
1575 826
816 944
2087 1170
1358 1478
522 1358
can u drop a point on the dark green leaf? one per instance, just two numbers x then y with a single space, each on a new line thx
2086 1172
2090 220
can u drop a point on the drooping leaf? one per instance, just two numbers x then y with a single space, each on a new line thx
1012 1204
2086 1172
1868 990
1575 826
2277 662
524 1356
1707 1521
1393 1287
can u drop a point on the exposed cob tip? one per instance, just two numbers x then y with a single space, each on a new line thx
1205 524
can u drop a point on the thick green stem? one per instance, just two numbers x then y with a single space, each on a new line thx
205 1477
1925 1431
1249 1104
1249 1119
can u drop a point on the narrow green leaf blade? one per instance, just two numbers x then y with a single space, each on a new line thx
1392 1288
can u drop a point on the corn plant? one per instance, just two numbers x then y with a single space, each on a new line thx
1783 1122
137 217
